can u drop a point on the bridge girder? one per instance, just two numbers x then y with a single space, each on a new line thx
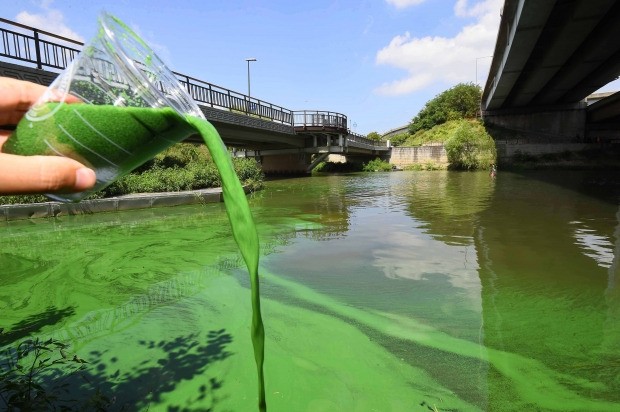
553 52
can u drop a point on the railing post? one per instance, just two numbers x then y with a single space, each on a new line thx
37 45
189 89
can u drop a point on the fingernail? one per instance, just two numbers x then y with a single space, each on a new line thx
85 178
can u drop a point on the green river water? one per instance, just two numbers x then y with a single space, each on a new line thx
407 291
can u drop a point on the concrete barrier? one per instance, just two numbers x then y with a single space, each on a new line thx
405 156
113 204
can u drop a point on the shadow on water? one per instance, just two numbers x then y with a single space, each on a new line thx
104 384
602 185
35 323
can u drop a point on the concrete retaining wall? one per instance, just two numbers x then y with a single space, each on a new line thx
404 156
113 204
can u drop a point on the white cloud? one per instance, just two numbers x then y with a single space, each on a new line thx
451 60
49 19
401 4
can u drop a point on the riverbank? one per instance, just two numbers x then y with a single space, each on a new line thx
111 204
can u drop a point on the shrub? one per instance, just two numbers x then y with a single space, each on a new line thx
377 165
399 139
470 147
30 372
337 167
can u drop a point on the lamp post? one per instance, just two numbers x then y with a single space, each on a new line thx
478 58
251 59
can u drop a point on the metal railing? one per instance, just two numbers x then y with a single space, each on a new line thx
221 98
39 47
320 119
47 50
359 140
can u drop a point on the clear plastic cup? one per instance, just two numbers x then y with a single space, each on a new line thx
113 108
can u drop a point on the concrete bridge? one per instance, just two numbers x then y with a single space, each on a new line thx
549 56
284 141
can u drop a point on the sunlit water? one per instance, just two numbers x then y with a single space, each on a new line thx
402 291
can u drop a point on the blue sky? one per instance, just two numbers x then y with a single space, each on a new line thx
376 61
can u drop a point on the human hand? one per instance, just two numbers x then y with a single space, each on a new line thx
34 174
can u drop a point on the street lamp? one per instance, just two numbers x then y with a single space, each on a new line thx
251 59
478 58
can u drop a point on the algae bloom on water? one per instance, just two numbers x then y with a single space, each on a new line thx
115 140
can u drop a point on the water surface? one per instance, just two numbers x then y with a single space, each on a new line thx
381 292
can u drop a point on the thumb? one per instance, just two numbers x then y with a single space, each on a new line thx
43 174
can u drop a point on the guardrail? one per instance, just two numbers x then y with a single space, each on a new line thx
320 119
359 140
225 99
36 46
324 121
43 49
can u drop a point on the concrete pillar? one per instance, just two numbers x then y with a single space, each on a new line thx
544 124
286 164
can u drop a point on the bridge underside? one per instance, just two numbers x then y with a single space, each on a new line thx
553 52
549 56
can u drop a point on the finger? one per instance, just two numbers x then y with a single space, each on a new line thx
43 174
18 96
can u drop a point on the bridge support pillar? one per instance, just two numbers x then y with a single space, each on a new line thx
556 124
286 164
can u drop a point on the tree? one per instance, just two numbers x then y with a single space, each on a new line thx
459 102
374 136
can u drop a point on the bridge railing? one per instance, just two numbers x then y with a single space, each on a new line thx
320 119
47 50
38 47
362 141
220 98
325 121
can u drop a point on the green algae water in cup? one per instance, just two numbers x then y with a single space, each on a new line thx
113 108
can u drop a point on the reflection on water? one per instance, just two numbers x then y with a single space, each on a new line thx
393 292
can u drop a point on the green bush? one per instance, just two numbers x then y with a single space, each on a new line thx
183 167
399 139
377 165
337 167
470 147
